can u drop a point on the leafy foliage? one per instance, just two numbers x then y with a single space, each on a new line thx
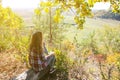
85 44
57 30
9 18
106 41
113 59
116 6
110 15
62 62
80 8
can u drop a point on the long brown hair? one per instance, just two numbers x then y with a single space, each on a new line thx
36 43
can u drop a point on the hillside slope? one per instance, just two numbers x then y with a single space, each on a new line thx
106 14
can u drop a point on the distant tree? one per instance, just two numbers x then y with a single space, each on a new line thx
8 18
80 8
0 1
45 22
110 15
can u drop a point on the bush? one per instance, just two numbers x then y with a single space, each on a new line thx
62 60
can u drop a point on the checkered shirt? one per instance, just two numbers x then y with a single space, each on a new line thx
35 62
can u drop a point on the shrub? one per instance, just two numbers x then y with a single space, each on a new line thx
62 61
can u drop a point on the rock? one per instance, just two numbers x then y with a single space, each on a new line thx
31 75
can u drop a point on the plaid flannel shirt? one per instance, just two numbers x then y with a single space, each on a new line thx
35 62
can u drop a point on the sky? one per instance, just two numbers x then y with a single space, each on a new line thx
34 3
101 6
20 3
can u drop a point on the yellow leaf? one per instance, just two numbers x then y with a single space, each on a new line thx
62 17
49 4
46 10
42 4
37 11
91 3
56 19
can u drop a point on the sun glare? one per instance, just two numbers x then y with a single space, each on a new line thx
101 5
20 3
34 4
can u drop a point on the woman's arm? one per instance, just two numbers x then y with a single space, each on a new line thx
45 49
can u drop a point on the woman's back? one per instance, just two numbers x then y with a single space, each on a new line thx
34 61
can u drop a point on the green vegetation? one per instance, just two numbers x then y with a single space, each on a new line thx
107 15
91 53
73 52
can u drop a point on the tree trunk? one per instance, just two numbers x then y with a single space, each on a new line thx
119 72
110 71
50 26
101 72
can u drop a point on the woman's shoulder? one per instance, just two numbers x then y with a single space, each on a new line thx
33 51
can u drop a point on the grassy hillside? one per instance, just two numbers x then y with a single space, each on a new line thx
27 15
106 14
90 54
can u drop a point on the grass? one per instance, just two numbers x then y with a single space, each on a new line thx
90 25
11 65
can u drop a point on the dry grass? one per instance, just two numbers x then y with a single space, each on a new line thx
9 65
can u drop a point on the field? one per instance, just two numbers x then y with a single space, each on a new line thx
92 53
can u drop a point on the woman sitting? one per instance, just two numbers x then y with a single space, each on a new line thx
37 59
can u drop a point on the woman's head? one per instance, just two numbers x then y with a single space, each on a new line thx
36 42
